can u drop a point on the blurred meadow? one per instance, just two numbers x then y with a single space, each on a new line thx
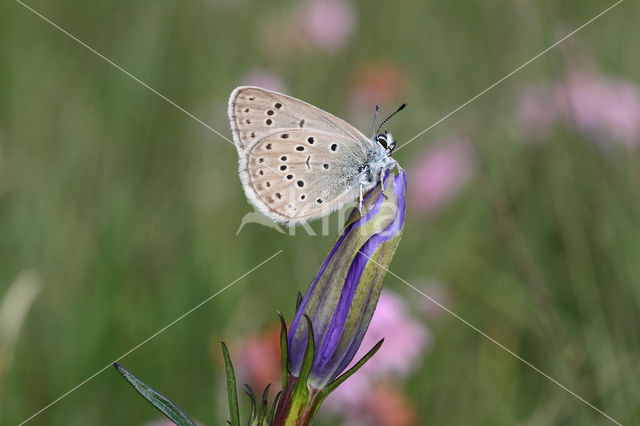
119 212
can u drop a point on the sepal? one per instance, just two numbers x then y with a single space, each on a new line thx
337 382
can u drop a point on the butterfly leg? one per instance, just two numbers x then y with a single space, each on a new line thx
382 172
360 204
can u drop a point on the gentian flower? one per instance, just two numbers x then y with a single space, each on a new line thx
330 322
333 316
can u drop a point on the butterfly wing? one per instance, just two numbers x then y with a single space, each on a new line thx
255 113
297 162
297 175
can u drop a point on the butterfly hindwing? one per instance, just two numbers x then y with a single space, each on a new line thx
296 175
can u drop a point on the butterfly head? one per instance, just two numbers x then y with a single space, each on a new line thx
386 141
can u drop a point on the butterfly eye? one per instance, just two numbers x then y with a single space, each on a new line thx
382 141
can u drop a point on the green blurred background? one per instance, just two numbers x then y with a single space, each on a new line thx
127 209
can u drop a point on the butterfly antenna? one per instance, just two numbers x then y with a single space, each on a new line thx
394 113
373 125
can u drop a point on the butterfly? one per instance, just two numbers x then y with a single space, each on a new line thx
298 162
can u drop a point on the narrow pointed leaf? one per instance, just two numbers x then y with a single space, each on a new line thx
161 402
232 391
284 351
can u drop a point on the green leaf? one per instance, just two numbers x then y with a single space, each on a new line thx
161 402
232 391
337 382
284 351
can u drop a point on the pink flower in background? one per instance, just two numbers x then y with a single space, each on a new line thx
329 24
325 25
405 338
257 359
606 108
382 405
406 341
265 79
600 107
438 175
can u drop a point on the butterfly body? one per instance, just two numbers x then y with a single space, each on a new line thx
297 162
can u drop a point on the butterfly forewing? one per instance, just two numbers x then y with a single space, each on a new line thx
255 113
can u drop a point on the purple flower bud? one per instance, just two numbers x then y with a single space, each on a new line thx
342 298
